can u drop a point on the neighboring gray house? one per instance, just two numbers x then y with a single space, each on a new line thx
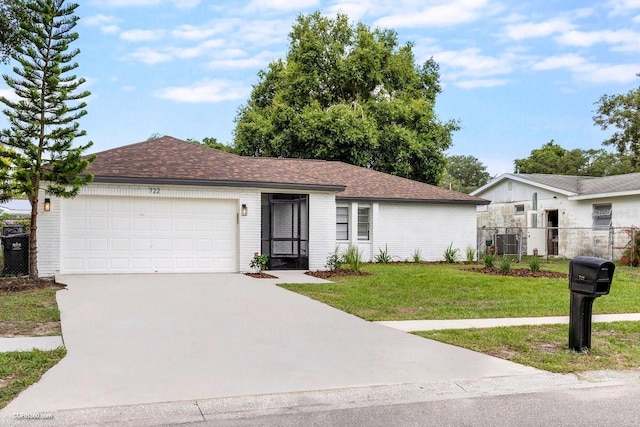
167 205
564 215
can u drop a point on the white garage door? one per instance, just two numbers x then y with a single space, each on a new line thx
147 235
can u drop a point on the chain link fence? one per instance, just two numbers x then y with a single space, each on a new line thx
614 243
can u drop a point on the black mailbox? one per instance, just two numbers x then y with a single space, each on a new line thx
590 275
589 278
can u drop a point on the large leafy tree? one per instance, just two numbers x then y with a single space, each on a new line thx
349 93
465 174
38 145
11 13
551 158
622 113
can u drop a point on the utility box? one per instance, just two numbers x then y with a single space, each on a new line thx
16 254
589 278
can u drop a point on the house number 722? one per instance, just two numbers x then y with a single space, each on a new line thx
154 190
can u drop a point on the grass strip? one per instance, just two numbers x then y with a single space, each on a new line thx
18 370
613 345
450 291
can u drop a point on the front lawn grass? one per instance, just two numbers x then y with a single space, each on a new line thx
18 370
613 345
32 312
408 291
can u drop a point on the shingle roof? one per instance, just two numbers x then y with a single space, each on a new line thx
563 182
577 186
170 160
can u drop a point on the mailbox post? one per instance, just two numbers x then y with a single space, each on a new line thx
589 278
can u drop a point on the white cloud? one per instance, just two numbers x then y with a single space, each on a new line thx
528 30
208 47
481 83
443 13
469 62
570 61
185 4
128 3
280 5
192 32
99 20
622 40
354 9
142 35
622 7
107 24
603 73
208 91
149 56
9 94
235 59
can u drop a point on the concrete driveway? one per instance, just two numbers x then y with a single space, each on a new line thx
135 339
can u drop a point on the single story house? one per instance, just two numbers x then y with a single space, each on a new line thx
16 208
564 215
167 205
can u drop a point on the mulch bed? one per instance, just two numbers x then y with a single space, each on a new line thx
261 275
520 272
24 283
336 273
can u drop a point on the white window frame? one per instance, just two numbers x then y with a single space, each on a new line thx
338 215
519 209
362 236
602 216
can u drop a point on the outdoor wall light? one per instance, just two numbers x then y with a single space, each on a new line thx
47 204
244 210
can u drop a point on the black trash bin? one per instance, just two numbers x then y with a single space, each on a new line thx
16 254
589 278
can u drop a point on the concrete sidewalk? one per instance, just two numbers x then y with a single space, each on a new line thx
433 325
30 343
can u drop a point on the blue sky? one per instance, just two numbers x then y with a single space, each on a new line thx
516 74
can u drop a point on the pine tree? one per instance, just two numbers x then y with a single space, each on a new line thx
38 145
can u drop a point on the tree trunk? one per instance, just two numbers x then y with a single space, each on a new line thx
33 243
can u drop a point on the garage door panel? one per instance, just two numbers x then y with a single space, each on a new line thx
141 224
120 234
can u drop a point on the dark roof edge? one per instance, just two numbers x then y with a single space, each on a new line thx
433 201
208 183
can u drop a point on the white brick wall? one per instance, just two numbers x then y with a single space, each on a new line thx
429 228
405 227
48 236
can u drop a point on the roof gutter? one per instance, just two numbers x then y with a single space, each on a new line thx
209 183
605 195
432 201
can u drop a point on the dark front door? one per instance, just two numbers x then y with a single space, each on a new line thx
552 232
285 230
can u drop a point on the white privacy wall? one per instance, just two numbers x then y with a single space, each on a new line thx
322 229
431 228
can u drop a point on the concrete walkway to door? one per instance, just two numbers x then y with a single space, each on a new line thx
135 339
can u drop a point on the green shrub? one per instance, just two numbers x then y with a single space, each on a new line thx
471 253
489 260
353 258
259 261
335 260
383 257
534 264
417 255
505 263
451 254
